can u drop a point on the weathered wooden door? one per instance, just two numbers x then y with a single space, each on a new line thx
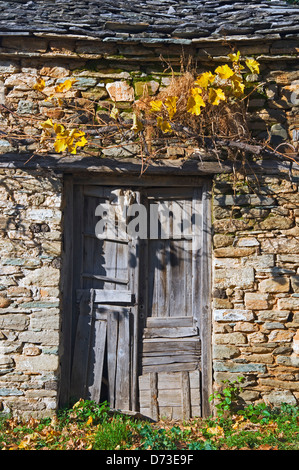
105 263
138 315
170 380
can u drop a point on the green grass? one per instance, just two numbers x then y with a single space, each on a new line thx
89 426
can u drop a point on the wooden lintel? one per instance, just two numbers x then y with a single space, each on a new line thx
78 164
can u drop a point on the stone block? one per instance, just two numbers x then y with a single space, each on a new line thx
241 368
277 284
281 336
230 338
280 245
256 301
290 361
44 277
230 315
275 223
15 321
41 363
244 199
288 303
273 315
234 252
120 91
242 278
295 284
225 352
277 397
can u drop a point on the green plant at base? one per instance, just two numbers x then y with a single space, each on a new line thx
228 396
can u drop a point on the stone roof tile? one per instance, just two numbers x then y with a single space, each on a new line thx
158 18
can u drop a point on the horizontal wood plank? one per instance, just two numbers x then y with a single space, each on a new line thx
169 322
170 332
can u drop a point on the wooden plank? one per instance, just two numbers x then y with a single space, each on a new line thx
186 398
81 352
112 344
205 305
168 359
113 296
154 407
171 322
170 367
96 360
67 291
170 332
123 363
113 280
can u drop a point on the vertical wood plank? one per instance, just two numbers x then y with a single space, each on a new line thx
112 346
205 296
81 351
96 359
154 395
186 398
67 291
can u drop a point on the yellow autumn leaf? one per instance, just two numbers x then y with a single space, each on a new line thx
170 104
216 95
216 431
114 112
89 421
59 129
137 125
195 102
65 86
205 79
48 124
235 57
253 65
60 145
224 72
39 85
156 106
164 125
238 85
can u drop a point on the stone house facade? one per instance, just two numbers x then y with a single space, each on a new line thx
251 305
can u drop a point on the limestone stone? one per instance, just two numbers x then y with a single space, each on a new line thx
4 302
277 397
288 303
292 361
281 336
273 315
242 278
234 252
277 284
256 301
43 362
45 277
240 368
256 337
120 91
225 352
295 284
245 327
275 223
229 315
296 343
231 338
15 321
280 245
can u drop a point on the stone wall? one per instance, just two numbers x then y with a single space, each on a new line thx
30 250
256 283
255 217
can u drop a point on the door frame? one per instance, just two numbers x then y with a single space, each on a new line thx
68 292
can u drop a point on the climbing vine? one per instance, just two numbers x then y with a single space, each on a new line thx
209 108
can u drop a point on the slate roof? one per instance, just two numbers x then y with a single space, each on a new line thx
152 19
